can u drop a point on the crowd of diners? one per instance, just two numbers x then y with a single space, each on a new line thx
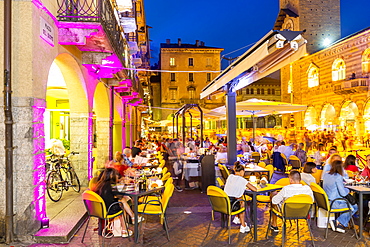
315 153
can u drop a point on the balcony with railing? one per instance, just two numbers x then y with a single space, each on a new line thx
96 25
351 86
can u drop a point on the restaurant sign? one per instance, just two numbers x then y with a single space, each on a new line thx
46 31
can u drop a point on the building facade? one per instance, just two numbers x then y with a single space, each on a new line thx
334 83
73 78
333 78
190 67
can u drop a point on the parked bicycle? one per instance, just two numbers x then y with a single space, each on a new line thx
56 183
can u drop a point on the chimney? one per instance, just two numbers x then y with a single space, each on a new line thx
168 41
179 41
201 43
197 43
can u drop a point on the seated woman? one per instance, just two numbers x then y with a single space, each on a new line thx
334 188
350 164
221 155
234 188
308 169
119 163
103 187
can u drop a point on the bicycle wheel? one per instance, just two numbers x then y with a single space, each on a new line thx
73 180
54 186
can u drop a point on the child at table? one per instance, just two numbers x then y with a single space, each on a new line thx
234 188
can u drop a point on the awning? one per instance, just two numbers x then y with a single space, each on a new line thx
258 107
275 50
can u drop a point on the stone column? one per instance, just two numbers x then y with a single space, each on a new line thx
81 142
28 163
360 127
102 130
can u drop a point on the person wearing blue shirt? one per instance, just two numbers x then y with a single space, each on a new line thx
334 188
288 151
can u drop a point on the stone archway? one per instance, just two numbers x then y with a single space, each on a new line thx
66 118
101 125
310 118
327 116
348 116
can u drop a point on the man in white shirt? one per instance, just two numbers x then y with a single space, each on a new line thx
282 147
294 188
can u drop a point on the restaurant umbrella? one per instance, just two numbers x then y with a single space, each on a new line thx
258 107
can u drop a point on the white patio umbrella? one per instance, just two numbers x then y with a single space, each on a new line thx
258 107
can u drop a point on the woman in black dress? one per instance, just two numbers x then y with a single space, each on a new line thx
103 188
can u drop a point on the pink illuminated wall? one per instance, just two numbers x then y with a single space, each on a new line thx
39 174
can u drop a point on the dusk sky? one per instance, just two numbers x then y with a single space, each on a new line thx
230 24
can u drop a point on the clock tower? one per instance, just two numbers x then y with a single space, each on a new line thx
320 19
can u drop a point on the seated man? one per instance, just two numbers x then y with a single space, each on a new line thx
234 188
294 188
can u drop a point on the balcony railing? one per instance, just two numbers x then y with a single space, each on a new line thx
355 85
101 11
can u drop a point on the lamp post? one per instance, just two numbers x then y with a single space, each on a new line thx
8 123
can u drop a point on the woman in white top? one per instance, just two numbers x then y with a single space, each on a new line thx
308 170
234 188
221 155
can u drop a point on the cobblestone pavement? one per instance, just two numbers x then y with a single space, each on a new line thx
190 228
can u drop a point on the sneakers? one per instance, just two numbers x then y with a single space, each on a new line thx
340 228
125 234
274 228
178 188
139 219
244 229
335 226
236 221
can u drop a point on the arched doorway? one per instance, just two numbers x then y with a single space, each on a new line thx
327 117
101 125
310 117
271 122
66 119
348 115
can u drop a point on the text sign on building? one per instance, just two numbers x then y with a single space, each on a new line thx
46 31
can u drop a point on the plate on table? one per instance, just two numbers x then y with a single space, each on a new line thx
349 181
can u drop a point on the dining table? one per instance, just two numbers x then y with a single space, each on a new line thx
135 195
361 190
255 168
264 189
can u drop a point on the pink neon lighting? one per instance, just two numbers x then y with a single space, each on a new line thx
39 174
90 159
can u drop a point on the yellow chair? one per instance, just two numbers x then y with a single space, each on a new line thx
285 181
144 199
351 174
220 202
295 162
95 207
164 170
262 164
294 208
159 206
166 176
322 201
224 171
220 182
256 156
271 170
317 176
92 183
162 163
